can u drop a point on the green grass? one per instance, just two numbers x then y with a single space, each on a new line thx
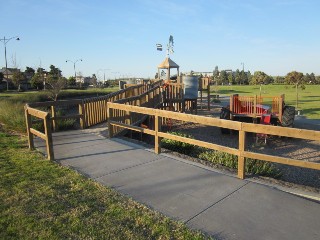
309 99
42 200
12 104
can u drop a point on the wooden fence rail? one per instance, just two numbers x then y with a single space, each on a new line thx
243 128
47 135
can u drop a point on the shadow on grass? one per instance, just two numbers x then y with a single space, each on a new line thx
311 111
229 91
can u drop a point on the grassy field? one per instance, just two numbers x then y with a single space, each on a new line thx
42 200
309 99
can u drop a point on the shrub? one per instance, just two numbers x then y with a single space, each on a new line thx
252 166
177 146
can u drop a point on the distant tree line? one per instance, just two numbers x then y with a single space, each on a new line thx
238 77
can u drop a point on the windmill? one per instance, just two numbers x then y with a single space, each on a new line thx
169 46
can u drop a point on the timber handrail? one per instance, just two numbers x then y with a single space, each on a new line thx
47 135
243 129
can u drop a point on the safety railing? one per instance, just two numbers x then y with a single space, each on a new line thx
242 128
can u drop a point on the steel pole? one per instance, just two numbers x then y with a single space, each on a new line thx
5 56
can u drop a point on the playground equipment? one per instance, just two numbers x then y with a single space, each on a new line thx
252 108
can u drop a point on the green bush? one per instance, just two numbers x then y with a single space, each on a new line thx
177 146
252 166
220 158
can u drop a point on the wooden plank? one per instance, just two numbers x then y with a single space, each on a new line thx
241 159
55 103
282 160
48 137
200 143
38 133
110 115
67 117
180 116
82 115
37 113
29 126
53 117
282 131
157 137
134 128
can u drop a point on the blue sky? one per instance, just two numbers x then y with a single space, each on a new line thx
274 36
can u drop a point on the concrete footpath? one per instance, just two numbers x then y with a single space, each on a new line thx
220 205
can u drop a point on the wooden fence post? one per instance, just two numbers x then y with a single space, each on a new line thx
53 115
110 127
255 106
157 140
81 112
29 125
241 159
48 132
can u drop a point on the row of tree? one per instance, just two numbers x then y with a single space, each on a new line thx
245 78
40 78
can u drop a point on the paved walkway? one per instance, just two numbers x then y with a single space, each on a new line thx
220 205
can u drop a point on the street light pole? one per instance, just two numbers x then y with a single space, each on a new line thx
104 73
5 41
74 68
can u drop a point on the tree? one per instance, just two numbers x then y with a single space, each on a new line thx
1 77
244 77
309 78
297 79
313 78
54 86
294 77
249 77
29 70
17 78
230 78
237 77
72 81
37 81
260 77
223 77
55 83
94 80
279 80
215 75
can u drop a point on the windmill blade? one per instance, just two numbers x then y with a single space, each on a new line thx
159 47
171 40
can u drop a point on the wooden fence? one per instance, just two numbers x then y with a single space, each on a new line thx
114 109
90 111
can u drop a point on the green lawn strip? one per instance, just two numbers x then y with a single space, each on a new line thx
40 199
309 98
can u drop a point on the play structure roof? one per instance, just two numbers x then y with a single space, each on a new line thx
168 63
